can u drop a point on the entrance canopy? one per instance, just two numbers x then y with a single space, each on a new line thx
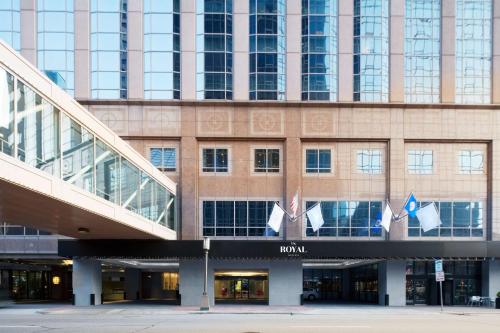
256 249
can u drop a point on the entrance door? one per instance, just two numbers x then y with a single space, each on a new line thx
416 291
241 287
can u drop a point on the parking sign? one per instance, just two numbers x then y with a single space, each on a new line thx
438 264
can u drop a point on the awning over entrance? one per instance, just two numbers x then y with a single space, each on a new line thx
257 249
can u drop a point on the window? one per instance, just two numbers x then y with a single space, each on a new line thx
108 49
163 158
422 51
237 218
458 218
319 50
170 281
214 62
471 162
215 160
56 41
10 23
267 49
473 26
318 161
267 160
162 60
420 162
371 51
348 219
369 161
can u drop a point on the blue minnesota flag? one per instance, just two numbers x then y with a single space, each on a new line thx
411 206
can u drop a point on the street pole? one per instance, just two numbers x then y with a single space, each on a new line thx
205 304
441 293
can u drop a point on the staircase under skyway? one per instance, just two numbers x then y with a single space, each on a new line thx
63 171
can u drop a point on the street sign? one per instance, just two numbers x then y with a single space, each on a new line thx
438 264
440 276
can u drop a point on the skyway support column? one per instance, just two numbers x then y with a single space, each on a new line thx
87 282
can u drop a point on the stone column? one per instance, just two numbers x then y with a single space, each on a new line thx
132 283
392 282
285 282
293 170
190 224
448 51
293 50
191 282
87 281
490 278
241 50
135 52
28 30
188 49
345 48
397 69
396 171
82 49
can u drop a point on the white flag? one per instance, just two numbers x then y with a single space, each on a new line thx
294 205
428 217
315 217
387 218
276 218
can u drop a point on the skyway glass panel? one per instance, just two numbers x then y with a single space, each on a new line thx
371 51
319 50
422 51
108 48
10 23
267 49
214 49
162 58
473 44
56 40
35 132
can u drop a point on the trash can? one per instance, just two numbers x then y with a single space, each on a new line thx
386 301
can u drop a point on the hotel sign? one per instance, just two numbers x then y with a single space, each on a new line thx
293 250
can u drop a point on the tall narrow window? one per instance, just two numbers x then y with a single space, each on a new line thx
267 49
162 52
422 51
319 50
108 49
10 23
214 44
56 42
371 51
473 51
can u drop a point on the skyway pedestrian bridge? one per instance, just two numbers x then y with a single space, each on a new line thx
63 171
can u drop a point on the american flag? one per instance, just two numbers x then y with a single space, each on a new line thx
294 205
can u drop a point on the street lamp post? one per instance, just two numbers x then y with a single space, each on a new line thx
205 304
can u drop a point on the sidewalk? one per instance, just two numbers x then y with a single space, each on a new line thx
130 308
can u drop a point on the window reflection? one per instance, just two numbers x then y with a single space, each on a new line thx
422 51
162 64
319 50
473 51
267 49
10 23
56 34
108 49
6 112
371 50
214 60
107 172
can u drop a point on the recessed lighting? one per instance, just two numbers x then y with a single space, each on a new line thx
83 230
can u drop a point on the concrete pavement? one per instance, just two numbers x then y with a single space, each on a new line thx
130 317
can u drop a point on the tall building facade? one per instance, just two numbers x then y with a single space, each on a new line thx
244 103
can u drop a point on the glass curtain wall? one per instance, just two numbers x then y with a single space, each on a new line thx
371 51
214 45
10 23
267 49
319 50
473 45
56 40
422 51
55 143
108 49
162 57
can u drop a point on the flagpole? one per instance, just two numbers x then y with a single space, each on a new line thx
404 205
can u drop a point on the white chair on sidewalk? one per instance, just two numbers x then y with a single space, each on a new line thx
474 300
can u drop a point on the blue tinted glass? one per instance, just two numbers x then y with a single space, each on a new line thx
10 23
